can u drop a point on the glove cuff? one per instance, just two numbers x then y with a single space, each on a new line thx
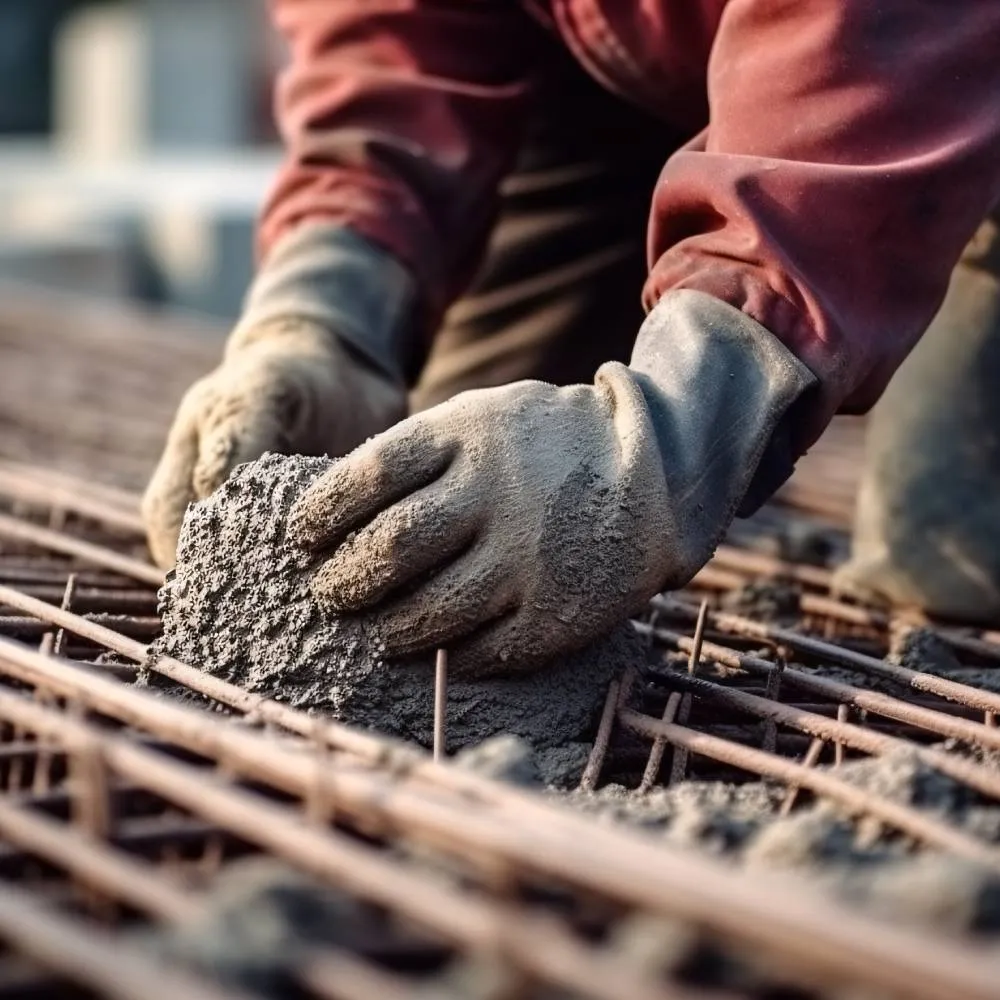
331 276
726 398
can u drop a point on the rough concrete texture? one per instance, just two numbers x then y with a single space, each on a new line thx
263 921
862 862
766 600
238 605
258 924
511 759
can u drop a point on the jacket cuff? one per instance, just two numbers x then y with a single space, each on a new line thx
720 384
338 279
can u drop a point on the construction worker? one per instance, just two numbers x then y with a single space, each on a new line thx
465 205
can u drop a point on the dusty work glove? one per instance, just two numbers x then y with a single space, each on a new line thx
309 370
518 523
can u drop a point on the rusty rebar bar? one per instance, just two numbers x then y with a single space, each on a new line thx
809 759
595 761
67 545
538 944
856 800
104 505
93 958
983 779
91 861
930 719
787 922
768 667
953 691
760 564
440 704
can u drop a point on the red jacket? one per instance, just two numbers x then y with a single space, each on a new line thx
846 149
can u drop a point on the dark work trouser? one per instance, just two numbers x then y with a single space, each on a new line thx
559 291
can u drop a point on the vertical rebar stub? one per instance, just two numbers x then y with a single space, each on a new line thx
440 703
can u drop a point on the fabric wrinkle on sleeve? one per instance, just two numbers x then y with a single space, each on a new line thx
852 150
399 120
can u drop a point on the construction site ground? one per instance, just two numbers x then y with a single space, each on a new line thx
789 795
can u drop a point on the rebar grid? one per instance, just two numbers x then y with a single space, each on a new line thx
95 788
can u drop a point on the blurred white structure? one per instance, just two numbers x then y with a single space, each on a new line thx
153 176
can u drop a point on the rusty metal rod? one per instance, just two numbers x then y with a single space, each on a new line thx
142 887
811 759
440 704
760 564
856 615
793 922
94 958
588 780
104 600
15 572
659 747
932 720
135 627
341 737
738 625
538 944
769 667
96 555
679 765
336 974
985 780
856 800
102 505
91 860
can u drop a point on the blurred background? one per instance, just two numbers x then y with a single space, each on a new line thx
136 144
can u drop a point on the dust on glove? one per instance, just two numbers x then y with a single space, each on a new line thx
519 523
287 385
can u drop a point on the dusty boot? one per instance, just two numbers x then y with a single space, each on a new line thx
927 527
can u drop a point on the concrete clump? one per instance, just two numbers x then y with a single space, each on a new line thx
238 605
859 861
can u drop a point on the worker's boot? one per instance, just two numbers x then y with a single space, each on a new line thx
927 526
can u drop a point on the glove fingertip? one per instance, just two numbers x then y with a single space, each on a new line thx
215 461
163 548
163 506
326 589
305 529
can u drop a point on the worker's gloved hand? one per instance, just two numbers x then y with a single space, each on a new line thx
289 386
518 523
315 366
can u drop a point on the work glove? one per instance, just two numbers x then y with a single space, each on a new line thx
514 524
309 370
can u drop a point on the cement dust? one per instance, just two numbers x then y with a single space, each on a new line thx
862 862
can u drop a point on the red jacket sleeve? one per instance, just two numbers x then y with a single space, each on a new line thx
399 118
853 148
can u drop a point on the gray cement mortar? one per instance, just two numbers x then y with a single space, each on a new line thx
238 606
863 863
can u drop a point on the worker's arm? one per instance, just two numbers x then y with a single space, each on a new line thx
799 247
852 151
399 120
